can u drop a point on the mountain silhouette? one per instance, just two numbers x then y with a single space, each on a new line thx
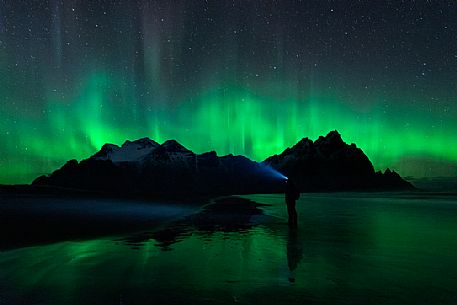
144 167
147 168
329 164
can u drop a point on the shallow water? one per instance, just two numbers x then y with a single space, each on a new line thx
348 249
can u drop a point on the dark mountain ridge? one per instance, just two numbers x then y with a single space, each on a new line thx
164 170
144 167
329 164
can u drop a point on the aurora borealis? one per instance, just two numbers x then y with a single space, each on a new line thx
246 77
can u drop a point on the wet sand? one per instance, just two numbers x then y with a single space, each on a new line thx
391 248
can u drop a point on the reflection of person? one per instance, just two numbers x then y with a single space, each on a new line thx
292 194
294 252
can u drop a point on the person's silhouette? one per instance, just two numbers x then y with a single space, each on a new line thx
291 195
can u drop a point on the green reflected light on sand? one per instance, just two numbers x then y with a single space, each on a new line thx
348 247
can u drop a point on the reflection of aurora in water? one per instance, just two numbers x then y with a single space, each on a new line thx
363 249
243 78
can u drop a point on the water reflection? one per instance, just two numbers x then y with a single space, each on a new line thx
29 220
345 251
294 251
230 214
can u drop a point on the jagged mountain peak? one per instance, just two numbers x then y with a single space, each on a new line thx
211 153
143 142
130 151
106 151
332 138
109 147
333 133
303 144
144 166
174 146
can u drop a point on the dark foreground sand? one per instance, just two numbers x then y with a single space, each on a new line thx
389 248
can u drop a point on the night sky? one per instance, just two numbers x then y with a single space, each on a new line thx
244 77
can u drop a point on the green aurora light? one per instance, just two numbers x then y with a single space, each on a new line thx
235 77
229 120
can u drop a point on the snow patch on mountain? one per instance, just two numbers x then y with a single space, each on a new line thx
130 151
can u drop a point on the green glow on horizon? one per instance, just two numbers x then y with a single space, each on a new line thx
229 119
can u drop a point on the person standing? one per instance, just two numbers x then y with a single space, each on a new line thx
291 195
